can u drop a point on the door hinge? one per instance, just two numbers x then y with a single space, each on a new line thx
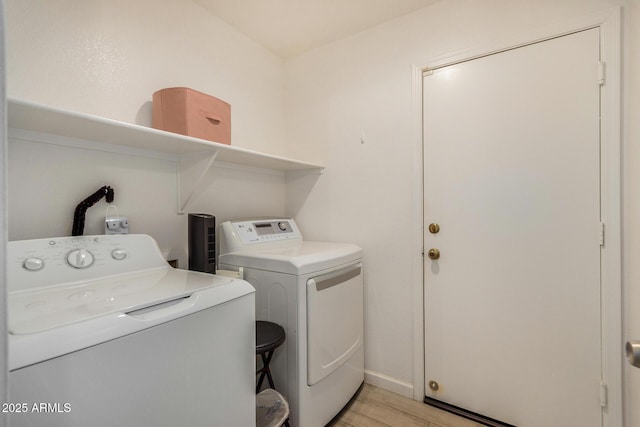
601 73
601 234
603 394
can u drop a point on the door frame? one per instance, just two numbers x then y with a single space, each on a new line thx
609 22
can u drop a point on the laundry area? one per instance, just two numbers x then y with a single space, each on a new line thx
302 213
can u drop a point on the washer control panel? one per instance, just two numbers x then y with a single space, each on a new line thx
58 260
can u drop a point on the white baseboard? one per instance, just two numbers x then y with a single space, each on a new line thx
392 384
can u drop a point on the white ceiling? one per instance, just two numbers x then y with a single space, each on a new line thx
290 27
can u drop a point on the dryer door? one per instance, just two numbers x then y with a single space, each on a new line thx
335 324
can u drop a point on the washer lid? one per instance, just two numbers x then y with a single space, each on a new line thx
48 323
297 258
41 309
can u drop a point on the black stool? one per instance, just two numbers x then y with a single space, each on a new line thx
269 336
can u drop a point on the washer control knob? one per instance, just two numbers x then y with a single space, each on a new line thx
119 254
283 226
80 258
33 264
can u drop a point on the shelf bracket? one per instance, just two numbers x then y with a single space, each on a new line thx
192 169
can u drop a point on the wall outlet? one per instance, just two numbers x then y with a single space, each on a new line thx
116 225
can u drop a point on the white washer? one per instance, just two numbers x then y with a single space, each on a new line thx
103 332
315 291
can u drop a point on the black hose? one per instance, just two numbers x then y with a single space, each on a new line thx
81 209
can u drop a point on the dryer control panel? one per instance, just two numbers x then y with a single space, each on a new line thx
240 234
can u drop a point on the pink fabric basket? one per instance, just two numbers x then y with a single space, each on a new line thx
192 113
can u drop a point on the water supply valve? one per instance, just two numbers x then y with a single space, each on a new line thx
116 225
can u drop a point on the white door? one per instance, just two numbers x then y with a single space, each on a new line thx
511 163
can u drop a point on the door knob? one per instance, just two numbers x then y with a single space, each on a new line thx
633 353
433 253
434 228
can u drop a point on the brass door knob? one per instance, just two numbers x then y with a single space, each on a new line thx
433 253
434 228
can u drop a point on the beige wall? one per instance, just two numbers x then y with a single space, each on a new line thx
107 57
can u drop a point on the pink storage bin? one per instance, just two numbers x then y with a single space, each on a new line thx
192 113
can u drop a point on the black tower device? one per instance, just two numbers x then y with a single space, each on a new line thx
202 243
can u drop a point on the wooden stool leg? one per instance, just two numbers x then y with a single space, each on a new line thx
269 377
266 360
262 373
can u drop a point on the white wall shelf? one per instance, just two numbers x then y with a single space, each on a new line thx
40 118
43 119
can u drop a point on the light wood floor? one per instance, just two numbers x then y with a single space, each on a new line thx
376 407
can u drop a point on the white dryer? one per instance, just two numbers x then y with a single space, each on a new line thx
315 291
